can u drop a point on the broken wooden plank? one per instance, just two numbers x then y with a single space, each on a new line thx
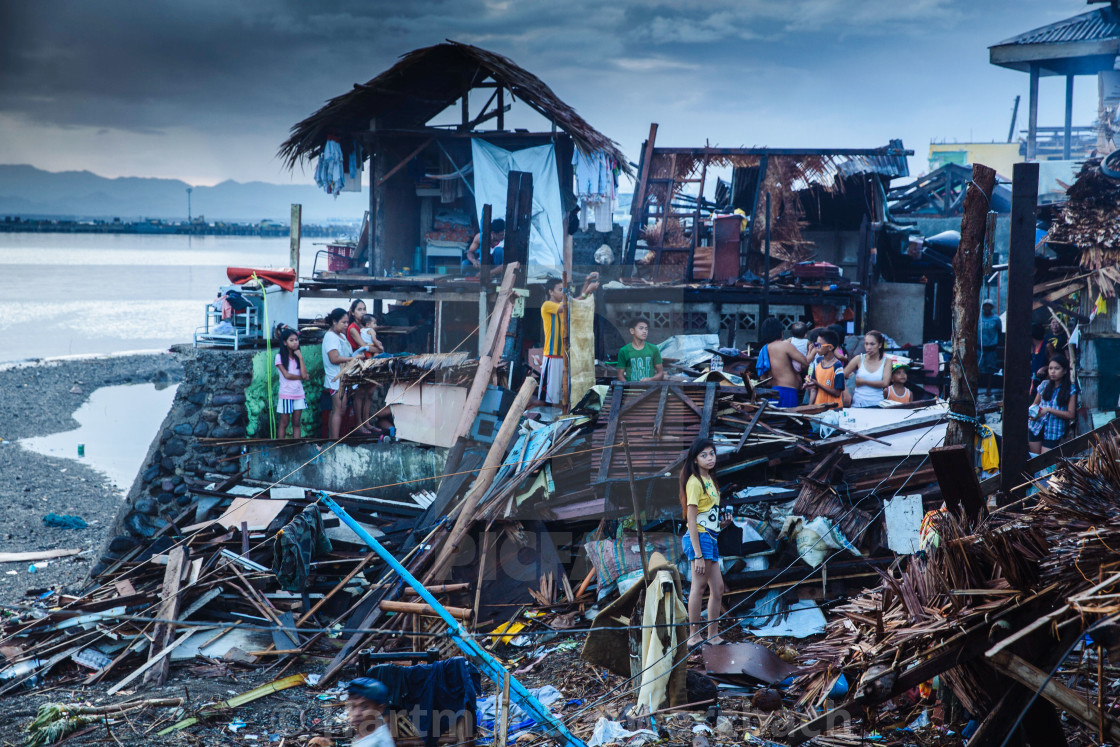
168 612
25 557
956 476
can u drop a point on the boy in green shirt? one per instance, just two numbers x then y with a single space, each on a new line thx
639 361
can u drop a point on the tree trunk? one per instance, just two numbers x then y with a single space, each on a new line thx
968 267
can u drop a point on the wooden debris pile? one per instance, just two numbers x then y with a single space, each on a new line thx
1090 219
434 368
204 590
994 610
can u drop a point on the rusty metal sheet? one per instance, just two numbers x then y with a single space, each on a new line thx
736 662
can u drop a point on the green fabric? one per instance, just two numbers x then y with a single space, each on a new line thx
639 364
258 397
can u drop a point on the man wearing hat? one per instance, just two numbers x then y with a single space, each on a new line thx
990 329
365 710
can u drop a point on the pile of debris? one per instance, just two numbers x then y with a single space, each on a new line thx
252 576
995 610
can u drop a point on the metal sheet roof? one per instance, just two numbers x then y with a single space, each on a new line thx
1096 25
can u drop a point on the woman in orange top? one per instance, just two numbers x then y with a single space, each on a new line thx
898 391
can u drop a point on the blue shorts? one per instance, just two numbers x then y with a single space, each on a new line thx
787 396
708 547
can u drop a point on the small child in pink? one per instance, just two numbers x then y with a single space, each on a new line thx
289 362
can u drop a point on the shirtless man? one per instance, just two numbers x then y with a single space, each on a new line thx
783 355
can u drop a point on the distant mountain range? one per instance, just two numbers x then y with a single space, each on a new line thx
29 192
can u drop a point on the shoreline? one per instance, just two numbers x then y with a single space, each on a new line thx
39 399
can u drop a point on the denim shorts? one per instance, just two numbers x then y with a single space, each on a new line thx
708 547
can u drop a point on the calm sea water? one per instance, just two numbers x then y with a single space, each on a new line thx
69 294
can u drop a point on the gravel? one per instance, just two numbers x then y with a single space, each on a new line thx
37 400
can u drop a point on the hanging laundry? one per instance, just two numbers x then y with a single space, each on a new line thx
352 179
596 177
330 173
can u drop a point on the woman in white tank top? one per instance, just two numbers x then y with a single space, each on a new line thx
872 374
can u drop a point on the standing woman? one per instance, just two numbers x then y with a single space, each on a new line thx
872 374
354 324
336 351
1054 408
699 496
362 393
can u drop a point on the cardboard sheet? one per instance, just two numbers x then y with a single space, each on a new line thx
427 413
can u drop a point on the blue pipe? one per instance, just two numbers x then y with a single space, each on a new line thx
478 655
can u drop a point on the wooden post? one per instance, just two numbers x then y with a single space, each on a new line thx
968 268
1032 115
376 210
764 309
1067 142
1017 354
519 214
486 474
637 206
294 230
484 258
501 739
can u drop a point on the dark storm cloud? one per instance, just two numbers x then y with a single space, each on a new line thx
761 71
151 65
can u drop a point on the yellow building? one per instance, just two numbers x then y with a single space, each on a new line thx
999 156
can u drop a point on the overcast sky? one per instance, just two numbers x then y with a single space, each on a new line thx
206 90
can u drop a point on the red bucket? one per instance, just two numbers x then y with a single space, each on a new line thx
339 257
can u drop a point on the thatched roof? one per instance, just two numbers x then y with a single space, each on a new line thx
421 85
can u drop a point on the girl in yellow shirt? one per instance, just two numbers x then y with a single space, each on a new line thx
699 494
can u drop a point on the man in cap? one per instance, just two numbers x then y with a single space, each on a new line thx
365 710
990 329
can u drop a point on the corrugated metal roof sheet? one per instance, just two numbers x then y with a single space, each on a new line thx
1096 25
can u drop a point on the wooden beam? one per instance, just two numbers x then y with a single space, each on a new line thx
1061 696
404 162
486 474
1016 355
1032 114
421 608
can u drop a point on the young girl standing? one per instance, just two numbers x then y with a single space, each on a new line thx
289 361
699 496
1055 407
872 375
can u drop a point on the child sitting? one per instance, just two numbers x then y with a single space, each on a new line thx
826 373
638 361
898 391
290 400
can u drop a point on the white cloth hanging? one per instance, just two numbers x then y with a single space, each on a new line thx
330 173
595 188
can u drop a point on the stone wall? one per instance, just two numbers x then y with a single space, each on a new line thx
210 403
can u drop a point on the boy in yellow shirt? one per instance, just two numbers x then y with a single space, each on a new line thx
554 317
